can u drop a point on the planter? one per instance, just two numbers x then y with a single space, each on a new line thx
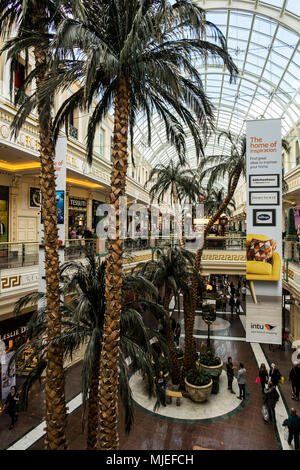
218 368
198 394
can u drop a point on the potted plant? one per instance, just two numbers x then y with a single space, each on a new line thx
210 362
198 384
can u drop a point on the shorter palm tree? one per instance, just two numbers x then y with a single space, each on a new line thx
171 272
215 199
82 325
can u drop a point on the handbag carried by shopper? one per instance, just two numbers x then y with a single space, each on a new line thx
265 413
257 380
281 380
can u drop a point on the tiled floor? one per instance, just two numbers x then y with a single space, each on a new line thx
244 430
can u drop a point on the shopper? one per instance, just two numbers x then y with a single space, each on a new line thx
232 304
294 428
161 384
274 374
294 378
11 406
237 305
73 233
271 397
241 378
243 290
230 373
224 303
264 376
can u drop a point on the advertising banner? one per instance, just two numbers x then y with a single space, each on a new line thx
264 232
60 173
8 380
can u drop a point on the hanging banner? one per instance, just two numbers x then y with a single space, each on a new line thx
264 232
8 380
60 180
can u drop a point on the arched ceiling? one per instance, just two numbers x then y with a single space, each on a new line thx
263 38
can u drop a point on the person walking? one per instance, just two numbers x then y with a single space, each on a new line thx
243 290
232 289
264 376
11 406
237 305
274 374
161 384
230 373
232 304
294 428
271 397
241 378
294 378
223 302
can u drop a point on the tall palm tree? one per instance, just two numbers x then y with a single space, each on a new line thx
82 325
132 55
171 272
36 18
171 177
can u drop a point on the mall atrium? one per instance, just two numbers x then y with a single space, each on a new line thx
123 325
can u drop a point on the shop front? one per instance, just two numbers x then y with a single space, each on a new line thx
11 332
77 215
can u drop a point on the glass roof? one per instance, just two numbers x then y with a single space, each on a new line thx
263 39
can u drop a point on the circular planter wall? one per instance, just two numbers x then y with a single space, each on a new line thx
198 394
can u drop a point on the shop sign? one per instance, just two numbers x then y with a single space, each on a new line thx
75 203
13 334
23 139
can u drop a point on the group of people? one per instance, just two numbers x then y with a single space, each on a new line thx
85 232
241 378
269 381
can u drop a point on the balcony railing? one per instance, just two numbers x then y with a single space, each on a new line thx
19 100
293 254
21 254
15 255
73 131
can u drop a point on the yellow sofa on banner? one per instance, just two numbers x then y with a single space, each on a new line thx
260 271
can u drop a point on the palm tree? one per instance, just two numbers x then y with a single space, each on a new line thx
36 18
132 55
82 325
171 272
215 199
171 177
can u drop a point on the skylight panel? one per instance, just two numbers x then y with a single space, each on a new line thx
293 6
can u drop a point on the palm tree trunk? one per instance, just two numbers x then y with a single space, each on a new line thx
189 358
177 215
108 438
93 404
56 417
188 351
175 372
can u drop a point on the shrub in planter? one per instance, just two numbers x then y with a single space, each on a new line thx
198 377
198 384
209 359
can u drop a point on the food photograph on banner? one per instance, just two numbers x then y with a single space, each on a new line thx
264 232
